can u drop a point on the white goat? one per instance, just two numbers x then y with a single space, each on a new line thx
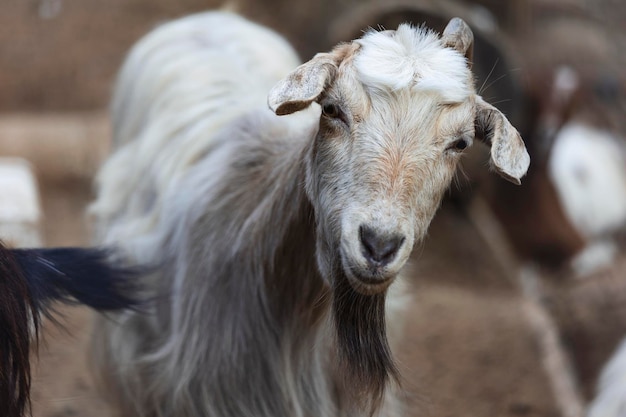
277 238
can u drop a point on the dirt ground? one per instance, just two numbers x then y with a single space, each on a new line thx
470 349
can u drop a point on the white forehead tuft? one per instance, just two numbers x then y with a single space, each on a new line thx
412 57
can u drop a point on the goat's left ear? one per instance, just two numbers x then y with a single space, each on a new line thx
508 153
302 86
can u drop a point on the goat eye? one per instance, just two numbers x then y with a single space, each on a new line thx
459 145
331 110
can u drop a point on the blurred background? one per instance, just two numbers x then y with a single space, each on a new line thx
520 291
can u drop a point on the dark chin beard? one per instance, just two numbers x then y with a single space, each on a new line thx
364 354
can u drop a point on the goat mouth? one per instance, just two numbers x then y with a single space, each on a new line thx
370 283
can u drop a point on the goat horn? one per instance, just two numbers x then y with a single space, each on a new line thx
459 36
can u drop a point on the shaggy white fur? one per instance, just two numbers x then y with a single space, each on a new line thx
412 58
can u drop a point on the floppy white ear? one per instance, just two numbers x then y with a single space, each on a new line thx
509 156
302 86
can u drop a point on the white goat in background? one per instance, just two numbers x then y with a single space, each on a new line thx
277 238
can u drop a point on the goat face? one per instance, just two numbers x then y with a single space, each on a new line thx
397 110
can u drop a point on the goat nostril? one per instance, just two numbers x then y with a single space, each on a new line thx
379 249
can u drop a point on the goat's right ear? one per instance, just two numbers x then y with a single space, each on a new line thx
303 86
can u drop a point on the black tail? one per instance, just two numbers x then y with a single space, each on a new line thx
16 315
30 279
77 275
